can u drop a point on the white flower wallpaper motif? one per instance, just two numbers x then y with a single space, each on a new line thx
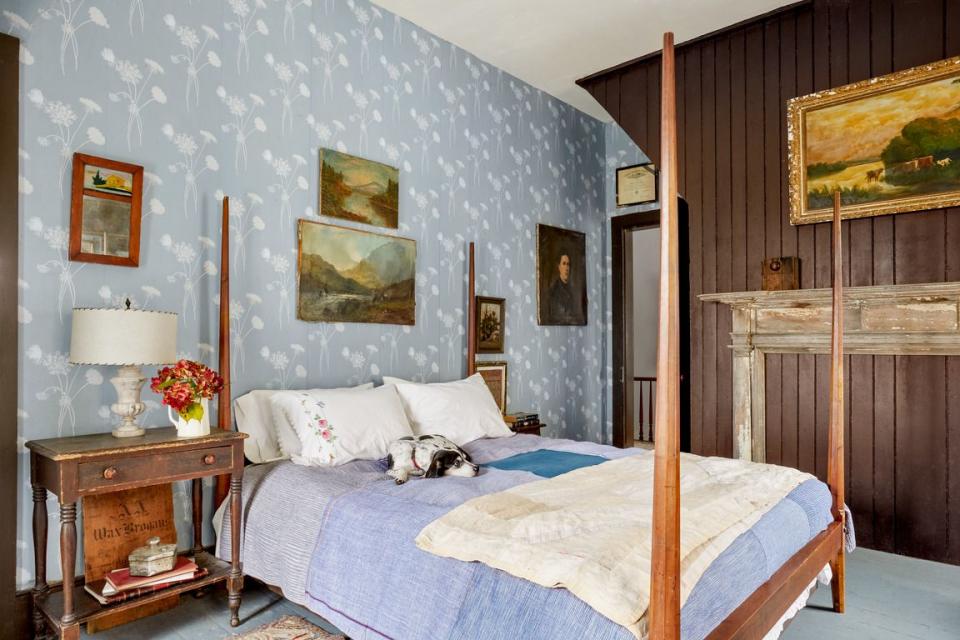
234 97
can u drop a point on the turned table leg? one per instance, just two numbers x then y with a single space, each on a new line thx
235 580
197 515
68 559
39 557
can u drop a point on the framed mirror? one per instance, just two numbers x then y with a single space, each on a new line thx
105 211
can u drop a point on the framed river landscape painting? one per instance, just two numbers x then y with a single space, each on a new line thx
348 275
889 144
358 190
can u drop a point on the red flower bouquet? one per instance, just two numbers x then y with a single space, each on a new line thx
183 386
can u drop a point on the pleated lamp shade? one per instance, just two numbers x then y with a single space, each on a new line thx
123 337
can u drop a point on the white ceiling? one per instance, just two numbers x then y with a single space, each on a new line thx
551 43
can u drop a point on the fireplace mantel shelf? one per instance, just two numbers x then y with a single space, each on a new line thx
902 319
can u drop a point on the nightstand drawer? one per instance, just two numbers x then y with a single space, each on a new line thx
156 467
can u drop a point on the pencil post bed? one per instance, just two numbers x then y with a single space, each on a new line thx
765 606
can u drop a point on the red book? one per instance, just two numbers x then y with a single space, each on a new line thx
96 588
121 580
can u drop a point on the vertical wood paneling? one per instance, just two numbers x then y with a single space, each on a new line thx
724 363
903 416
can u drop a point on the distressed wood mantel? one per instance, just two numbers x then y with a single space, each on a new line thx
903 319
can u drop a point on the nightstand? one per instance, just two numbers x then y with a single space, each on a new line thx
72 468
532 429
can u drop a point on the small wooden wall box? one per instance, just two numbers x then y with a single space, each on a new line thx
781 274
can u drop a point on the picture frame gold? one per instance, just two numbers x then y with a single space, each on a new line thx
494 374
890 87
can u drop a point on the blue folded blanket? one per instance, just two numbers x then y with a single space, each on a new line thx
546 463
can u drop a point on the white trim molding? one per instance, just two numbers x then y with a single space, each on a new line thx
903 319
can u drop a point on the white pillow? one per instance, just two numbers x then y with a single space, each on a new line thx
337 426
462 411
268 441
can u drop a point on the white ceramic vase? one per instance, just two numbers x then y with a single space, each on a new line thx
191 428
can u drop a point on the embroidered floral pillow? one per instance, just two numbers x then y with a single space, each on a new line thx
337 426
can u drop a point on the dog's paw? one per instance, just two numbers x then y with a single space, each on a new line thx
399 480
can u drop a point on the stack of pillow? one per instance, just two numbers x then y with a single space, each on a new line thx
326 427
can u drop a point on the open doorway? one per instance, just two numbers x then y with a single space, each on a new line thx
636 280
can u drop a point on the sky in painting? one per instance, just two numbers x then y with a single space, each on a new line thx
861 129
359 171
341 247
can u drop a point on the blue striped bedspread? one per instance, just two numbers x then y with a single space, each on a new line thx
341 542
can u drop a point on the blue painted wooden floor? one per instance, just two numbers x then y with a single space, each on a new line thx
888 597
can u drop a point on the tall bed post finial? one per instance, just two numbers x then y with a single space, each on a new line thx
665 561
835 452
224 417
471 314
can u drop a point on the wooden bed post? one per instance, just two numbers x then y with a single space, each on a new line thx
471 314
224 418
835 454
664 609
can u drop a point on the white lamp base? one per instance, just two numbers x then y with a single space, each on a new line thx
128 382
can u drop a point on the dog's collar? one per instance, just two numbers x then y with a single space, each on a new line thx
413 459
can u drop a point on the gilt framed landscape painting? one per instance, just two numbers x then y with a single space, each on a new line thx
359 190
889 144
348 275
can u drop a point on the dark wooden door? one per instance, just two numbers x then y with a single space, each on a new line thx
9 263
622 297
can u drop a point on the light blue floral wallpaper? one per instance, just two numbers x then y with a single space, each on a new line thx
234 97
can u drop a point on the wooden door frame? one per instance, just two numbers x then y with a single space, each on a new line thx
622 310
9 328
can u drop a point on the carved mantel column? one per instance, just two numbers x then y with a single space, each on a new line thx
913 319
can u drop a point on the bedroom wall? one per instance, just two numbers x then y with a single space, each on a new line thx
903 479
482 156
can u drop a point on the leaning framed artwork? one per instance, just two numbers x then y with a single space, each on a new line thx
889 144
491 324
494 374
561 276
349 275
105 211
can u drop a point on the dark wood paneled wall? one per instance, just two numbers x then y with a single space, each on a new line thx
903 456
9 268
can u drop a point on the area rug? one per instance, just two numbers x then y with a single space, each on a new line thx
287 628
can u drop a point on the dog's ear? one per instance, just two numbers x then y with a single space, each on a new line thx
439 463
389 461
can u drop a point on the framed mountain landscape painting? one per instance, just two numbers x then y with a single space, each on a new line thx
889 144
348 275
358 190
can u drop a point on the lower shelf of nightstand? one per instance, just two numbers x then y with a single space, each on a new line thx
87 608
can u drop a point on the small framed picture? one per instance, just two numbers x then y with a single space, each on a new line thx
490 324
105 211
495 375
636 184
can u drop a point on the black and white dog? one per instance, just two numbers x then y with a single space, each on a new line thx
428 456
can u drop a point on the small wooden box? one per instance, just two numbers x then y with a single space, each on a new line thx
781 274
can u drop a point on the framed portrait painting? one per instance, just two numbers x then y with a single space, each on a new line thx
491 323
105 205
561 276
888 144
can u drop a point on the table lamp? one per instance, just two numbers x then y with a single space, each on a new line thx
126 338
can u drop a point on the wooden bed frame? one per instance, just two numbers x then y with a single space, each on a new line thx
762 609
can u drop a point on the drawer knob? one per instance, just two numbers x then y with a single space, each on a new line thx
109 473
209 458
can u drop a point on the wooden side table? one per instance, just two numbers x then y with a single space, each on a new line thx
72 468
532 429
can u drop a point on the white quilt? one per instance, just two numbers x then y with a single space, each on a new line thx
589 530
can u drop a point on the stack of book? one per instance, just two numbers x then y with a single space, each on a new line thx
519 420
119 585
